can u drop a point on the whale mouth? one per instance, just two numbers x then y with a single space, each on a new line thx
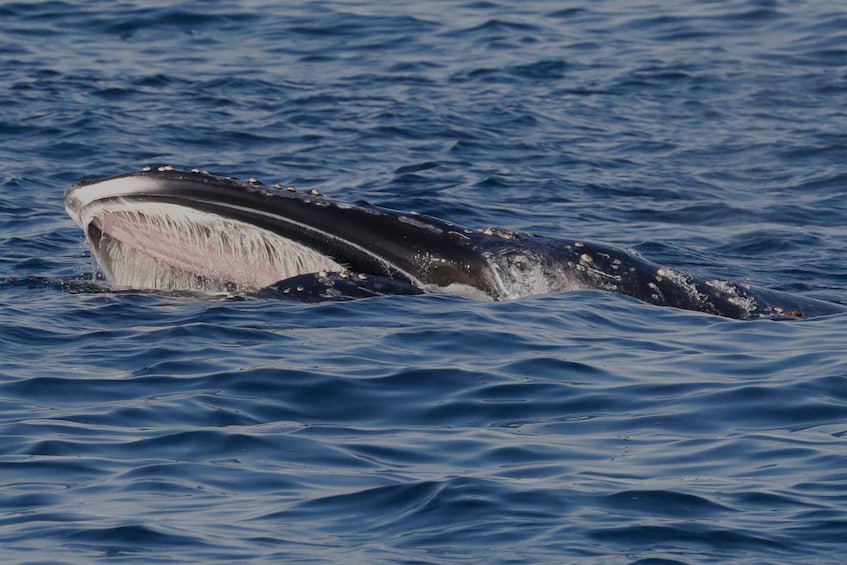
178 230
160 246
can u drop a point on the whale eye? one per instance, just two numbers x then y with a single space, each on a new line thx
519 262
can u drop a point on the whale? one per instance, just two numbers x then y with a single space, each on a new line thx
164 229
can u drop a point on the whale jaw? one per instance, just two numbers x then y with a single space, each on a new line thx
143 243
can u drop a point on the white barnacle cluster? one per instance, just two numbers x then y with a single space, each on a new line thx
159 168
500 233
730 292
684 281
596 267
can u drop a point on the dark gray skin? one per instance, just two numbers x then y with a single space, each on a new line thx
390 252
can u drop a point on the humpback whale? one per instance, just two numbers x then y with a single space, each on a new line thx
171 230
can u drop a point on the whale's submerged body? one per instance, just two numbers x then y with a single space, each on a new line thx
163 229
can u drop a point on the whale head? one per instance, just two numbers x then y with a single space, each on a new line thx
164 229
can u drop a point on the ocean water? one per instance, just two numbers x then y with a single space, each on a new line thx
579 427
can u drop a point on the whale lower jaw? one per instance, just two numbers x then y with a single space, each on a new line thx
156 246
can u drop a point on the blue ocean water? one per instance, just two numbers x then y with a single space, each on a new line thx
579 427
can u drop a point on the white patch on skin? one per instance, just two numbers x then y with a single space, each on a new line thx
459 289
747 303
683 280
420 224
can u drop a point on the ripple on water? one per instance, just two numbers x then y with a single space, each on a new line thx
581 427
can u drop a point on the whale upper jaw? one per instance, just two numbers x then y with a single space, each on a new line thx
164 229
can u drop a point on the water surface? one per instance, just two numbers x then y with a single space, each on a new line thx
580 427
